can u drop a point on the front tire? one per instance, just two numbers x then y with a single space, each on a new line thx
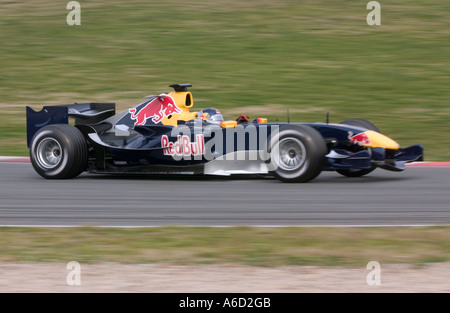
297 153
359 122
58 151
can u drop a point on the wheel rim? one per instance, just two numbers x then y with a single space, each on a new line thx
48 153
292 154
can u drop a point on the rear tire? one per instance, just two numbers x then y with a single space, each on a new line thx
59 151
297 153
359 122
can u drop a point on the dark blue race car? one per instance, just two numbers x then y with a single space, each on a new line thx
163 135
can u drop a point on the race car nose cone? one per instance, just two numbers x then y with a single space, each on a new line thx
378 140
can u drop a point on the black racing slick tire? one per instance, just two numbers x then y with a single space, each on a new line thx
59 151
359 122
297 153
357 172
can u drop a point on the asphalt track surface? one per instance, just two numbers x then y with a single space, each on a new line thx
416 196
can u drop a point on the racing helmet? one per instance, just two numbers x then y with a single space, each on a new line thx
210 115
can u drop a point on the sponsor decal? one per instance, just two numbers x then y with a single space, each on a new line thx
156 109
183 146
361 139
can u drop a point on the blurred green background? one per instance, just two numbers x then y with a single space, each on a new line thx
251 57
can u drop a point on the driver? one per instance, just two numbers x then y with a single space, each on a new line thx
210 115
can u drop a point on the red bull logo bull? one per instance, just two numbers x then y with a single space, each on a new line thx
157 109
183 146
361 139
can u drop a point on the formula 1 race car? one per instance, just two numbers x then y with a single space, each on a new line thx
162 135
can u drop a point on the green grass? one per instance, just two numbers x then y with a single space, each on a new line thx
244 57
234 245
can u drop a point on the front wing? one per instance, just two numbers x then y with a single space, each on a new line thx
388 159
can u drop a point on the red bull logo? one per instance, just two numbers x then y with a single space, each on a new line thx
361 139
157 109
183 146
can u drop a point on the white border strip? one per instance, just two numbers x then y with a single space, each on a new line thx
14 159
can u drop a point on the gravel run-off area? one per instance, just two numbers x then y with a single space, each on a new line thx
156 278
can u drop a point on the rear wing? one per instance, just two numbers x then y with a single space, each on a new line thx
83 113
